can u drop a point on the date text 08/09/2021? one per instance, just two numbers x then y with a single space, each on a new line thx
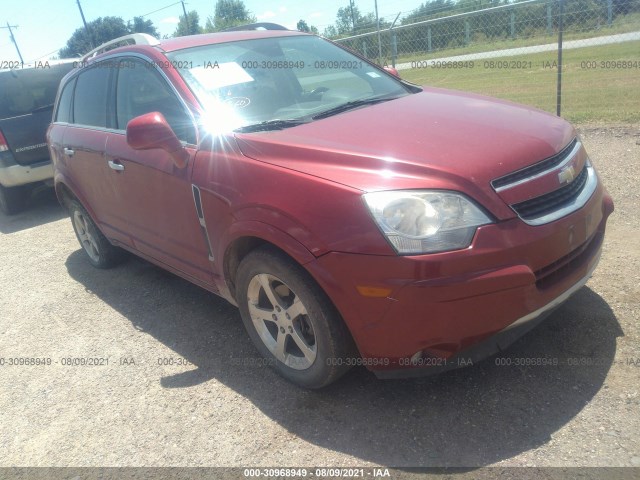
320 472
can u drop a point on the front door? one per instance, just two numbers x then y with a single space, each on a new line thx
156 204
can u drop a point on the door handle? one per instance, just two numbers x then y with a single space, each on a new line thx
116 166
69 152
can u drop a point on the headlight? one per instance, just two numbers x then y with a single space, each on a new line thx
425 221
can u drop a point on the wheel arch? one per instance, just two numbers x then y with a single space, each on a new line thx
257 235
243 245
65 192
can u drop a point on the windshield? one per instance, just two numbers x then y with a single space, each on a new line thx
24 91
267 80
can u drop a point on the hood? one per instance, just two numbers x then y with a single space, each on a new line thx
432 139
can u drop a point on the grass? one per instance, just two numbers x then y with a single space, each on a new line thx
590 95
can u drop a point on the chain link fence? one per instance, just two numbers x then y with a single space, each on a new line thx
528 51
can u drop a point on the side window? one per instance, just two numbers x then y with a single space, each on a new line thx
64 105
90 99
141 90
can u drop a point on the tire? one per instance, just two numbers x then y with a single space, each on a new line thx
291 321
99 250
13 199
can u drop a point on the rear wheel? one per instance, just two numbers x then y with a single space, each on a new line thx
13 199
99 250
291 321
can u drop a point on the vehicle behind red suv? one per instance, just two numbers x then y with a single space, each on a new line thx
354 218
27 94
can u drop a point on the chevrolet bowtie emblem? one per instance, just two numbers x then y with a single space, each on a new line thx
567 175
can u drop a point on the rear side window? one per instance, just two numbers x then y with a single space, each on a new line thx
90 99
140 90
64 105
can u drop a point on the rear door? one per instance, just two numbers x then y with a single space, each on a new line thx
63 117
84 144
26 105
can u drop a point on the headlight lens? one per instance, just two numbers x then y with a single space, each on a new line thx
425 221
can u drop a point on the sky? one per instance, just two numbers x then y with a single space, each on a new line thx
44 26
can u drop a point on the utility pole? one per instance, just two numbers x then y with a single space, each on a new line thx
86 28
559 86
379 39
186 17
13 39
353 18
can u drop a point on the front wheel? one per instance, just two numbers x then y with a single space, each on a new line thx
291 321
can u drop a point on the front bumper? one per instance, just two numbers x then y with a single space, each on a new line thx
423 314
15 175
420 365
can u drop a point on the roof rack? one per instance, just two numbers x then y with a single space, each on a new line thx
133 39
256 26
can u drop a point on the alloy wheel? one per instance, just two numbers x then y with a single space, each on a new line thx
87 240
282 322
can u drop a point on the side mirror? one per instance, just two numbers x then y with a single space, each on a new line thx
392 71
151 130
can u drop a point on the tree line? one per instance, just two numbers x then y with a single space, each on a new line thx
349 21
226 14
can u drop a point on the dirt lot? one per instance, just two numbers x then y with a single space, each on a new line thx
209 406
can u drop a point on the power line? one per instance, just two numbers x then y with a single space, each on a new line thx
9 27
87 29
160 9
46 55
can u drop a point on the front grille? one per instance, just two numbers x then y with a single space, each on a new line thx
536 168
550 202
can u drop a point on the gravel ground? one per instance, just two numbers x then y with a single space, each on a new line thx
209 406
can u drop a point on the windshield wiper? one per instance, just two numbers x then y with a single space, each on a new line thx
276 124
351 105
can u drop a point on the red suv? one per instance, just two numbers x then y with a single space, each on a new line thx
354 218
